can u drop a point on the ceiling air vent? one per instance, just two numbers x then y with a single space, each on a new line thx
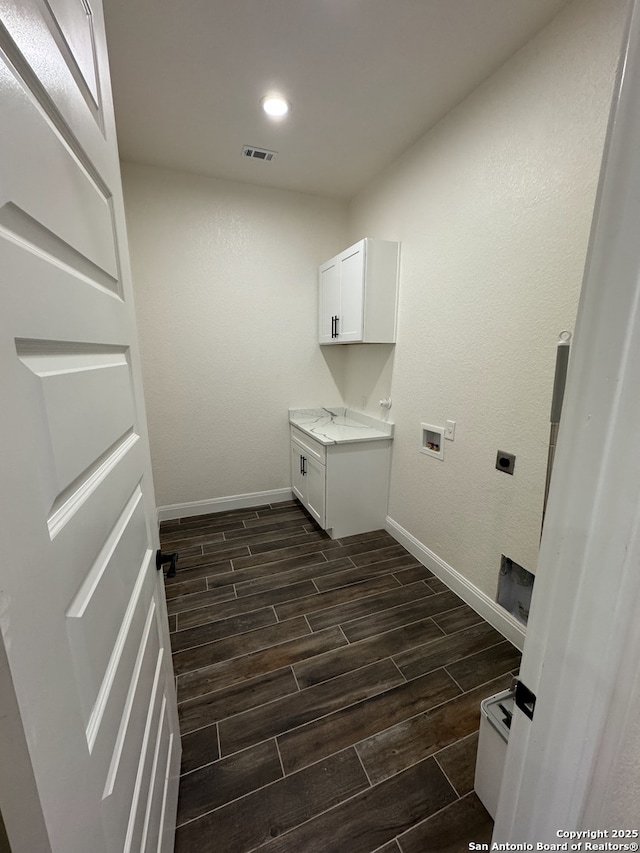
258 153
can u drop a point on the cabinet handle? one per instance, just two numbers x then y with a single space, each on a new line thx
333 327
304 465
301 464
337 320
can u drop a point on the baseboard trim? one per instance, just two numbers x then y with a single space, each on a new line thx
171 511
496 615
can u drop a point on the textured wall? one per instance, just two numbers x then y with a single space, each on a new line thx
493 209
619 806
226 295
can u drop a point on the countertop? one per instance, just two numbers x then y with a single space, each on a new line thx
337 425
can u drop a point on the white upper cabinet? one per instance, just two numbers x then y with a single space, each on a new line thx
358 294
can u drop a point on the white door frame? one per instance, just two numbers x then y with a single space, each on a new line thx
564 768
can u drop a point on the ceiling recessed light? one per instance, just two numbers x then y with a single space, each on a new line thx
275 106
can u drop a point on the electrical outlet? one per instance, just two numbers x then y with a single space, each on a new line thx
450 430
505 462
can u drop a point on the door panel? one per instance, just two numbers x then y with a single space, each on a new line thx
82 611
130 769
315 484
86 407
90 514
352 295
85 228
94 617
76 27
297 479
329 289
155 799
34 44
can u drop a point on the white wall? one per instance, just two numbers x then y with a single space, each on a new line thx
226 295
493 209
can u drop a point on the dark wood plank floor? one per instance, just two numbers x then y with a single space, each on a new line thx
329 690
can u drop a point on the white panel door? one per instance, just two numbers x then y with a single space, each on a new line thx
88 721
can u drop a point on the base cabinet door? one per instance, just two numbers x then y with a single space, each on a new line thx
315 476
308 481
298 485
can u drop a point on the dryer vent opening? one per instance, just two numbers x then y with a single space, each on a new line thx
515 586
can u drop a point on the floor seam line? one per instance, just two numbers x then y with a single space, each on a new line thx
446 775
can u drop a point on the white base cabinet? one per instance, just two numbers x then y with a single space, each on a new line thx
343 486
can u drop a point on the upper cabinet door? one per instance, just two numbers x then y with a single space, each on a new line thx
358 294
329 300
351 318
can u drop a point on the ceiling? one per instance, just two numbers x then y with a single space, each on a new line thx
365 79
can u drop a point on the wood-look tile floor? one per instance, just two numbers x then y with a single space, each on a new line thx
329 690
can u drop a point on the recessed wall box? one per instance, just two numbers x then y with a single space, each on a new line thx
505 462
432 440
515 587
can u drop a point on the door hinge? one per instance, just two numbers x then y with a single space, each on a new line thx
525 699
